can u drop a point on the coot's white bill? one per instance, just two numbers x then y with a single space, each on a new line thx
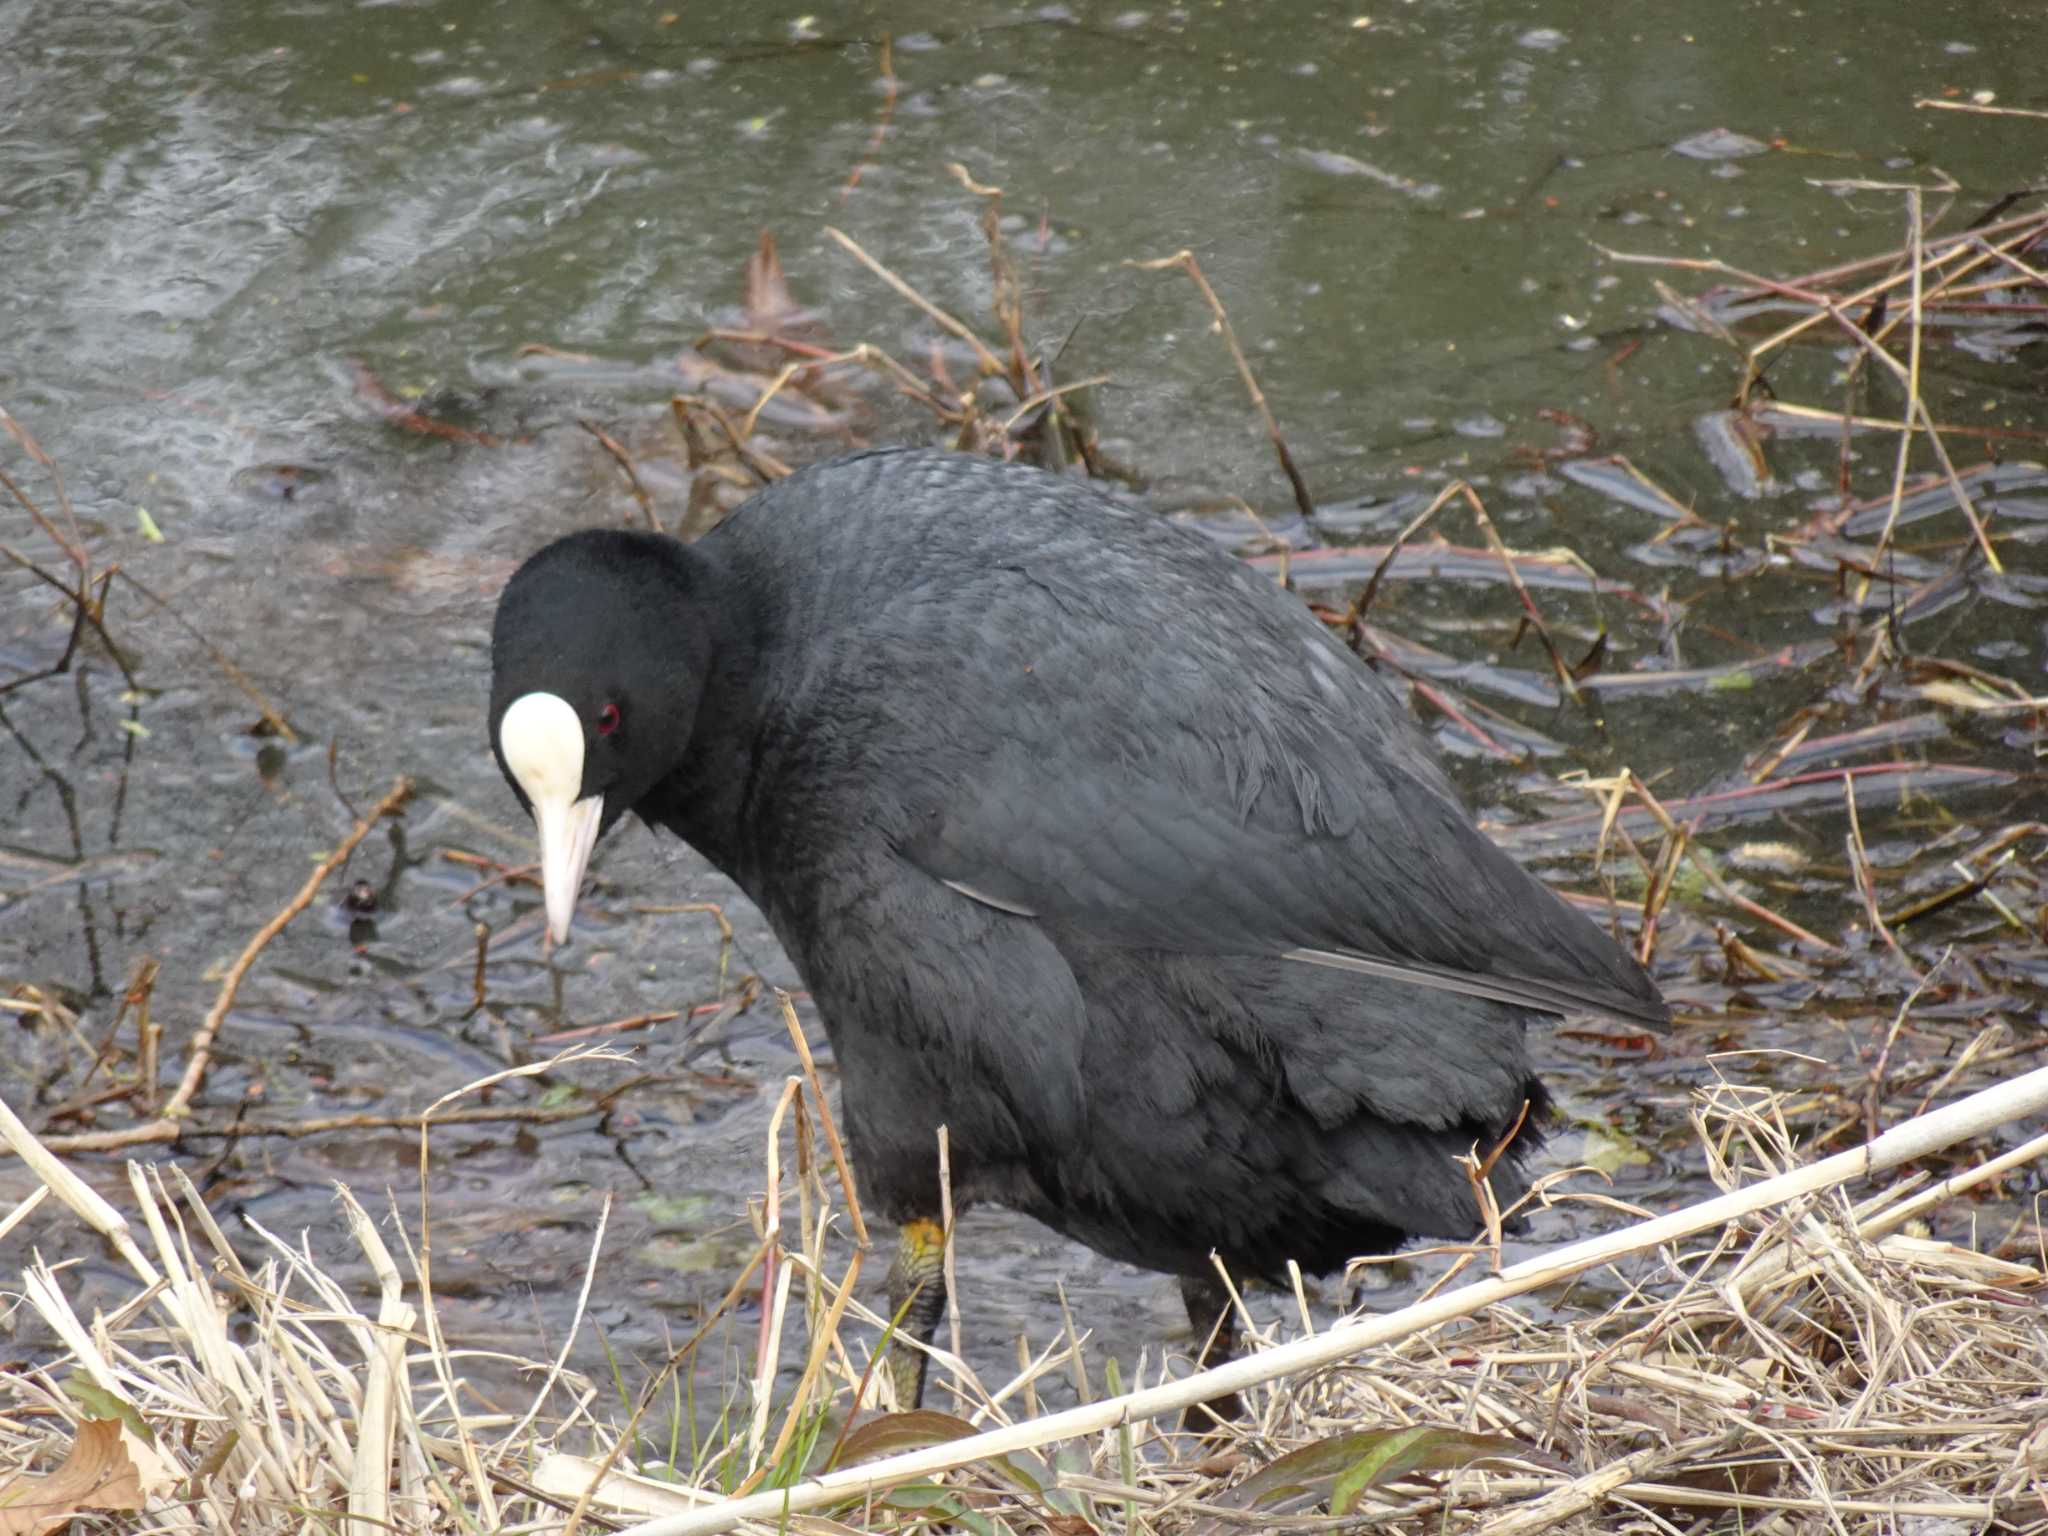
542 741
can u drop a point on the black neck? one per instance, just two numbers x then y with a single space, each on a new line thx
703 801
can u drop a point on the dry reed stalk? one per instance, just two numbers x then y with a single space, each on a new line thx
1617 790
882 120
989 363
1362 604
1536 620
594 1481
775 1280
201 1046
286 1406
1184 261
1915 1138
764 466
1038 397
1006 297
561 1360
789 371
262 1423
624 460
1982 109
1948 260
603 1467
1884 538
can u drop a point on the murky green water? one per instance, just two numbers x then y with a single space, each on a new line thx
215 222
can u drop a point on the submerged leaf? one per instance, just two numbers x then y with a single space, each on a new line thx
1719 144
1611 1150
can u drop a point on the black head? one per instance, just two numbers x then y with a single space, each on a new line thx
598 658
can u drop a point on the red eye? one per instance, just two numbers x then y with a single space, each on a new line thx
608 720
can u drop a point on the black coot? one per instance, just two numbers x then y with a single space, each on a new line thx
1088 842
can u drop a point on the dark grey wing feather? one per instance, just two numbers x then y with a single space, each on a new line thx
1412 893
1261 792
1185 760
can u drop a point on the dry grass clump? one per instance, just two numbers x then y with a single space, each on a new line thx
1815 1368
1802 1362
226 1397
1810 1366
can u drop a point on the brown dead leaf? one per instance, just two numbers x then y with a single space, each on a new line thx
98 1474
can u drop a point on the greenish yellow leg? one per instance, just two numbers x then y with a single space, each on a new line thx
917 1300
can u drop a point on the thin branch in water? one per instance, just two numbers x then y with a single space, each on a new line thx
1563 668
1982 109
615 1027
88 611
1866 882
1185 261
1006 297
789 371
201 1049
888 112
764 465
1362 605
164 1133
407 418
1705 866
619 456
74 545
1874 1101
988 361
1043 396
235 674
